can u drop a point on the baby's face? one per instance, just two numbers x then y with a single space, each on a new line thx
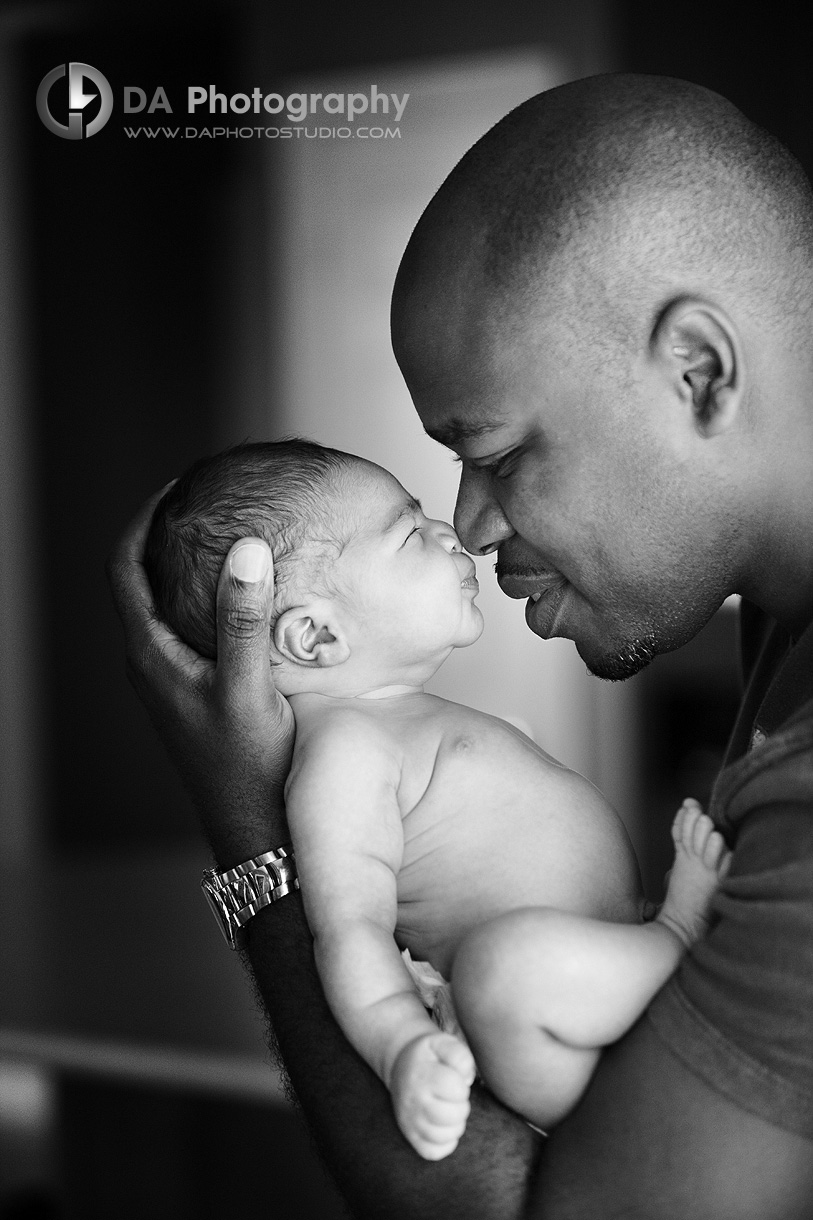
408 585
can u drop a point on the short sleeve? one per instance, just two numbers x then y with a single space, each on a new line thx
739 1012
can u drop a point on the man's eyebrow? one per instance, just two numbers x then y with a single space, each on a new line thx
458 430
410 508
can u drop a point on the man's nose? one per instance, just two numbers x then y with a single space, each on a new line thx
478 517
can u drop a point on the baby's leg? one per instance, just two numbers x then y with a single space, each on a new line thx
539 991
701 862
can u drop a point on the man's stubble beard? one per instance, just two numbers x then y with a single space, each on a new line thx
626 661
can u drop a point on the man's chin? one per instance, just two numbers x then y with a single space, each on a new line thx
623 662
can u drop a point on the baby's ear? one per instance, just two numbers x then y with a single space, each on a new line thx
307 635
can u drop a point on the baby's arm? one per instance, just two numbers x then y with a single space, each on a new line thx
346 824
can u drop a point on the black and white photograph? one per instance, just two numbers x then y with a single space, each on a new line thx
406 463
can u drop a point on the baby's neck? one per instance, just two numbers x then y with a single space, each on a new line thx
377 694
390 692
357 682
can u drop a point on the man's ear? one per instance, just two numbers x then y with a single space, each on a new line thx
307 636
699 350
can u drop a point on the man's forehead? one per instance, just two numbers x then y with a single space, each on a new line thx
476 376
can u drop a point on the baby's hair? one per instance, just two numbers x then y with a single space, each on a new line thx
278 491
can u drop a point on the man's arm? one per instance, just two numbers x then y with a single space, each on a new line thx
649 1139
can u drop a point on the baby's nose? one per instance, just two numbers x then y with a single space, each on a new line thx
448 536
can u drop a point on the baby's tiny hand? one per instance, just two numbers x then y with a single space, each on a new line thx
430 1086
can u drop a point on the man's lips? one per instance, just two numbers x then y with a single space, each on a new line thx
529 584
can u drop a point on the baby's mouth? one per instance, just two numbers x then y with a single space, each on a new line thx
470 581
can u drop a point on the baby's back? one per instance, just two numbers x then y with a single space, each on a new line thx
492 823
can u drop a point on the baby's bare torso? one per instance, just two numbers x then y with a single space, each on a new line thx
490 823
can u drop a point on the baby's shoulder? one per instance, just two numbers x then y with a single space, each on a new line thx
335 731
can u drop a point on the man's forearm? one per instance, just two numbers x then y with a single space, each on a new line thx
350 1111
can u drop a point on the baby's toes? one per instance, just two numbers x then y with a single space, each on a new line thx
713 848
703 833
685 822
717 855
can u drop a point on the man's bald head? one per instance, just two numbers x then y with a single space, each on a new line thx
606 311
620 190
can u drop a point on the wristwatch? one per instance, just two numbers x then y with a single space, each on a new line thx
240 892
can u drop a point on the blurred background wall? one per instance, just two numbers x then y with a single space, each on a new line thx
161 298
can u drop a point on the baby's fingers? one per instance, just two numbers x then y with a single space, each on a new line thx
431 1151
442 1120
456 1055
435 1132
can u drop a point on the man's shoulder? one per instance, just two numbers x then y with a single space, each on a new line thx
774 723
777 769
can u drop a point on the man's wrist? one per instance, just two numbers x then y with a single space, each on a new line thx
238 830
236 894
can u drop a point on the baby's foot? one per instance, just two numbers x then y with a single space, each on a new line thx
430 1086
701 861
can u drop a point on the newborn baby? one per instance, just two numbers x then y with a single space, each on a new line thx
420 825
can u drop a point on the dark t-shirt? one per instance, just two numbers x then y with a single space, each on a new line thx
739 1012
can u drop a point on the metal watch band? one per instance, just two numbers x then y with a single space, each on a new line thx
237 894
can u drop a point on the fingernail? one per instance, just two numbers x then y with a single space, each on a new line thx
249 563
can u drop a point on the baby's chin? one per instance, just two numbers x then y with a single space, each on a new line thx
473 632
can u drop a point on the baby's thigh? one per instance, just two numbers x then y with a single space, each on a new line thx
508 964
504 982
548 967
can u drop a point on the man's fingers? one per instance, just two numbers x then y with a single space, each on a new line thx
165 665
245 600
125 572
159 665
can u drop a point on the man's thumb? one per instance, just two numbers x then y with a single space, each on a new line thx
245 599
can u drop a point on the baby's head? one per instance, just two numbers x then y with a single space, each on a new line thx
283 492
368 591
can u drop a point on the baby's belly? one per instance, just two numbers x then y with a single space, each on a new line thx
500 827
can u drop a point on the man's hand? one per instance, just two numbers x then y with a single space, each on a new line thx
225 726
